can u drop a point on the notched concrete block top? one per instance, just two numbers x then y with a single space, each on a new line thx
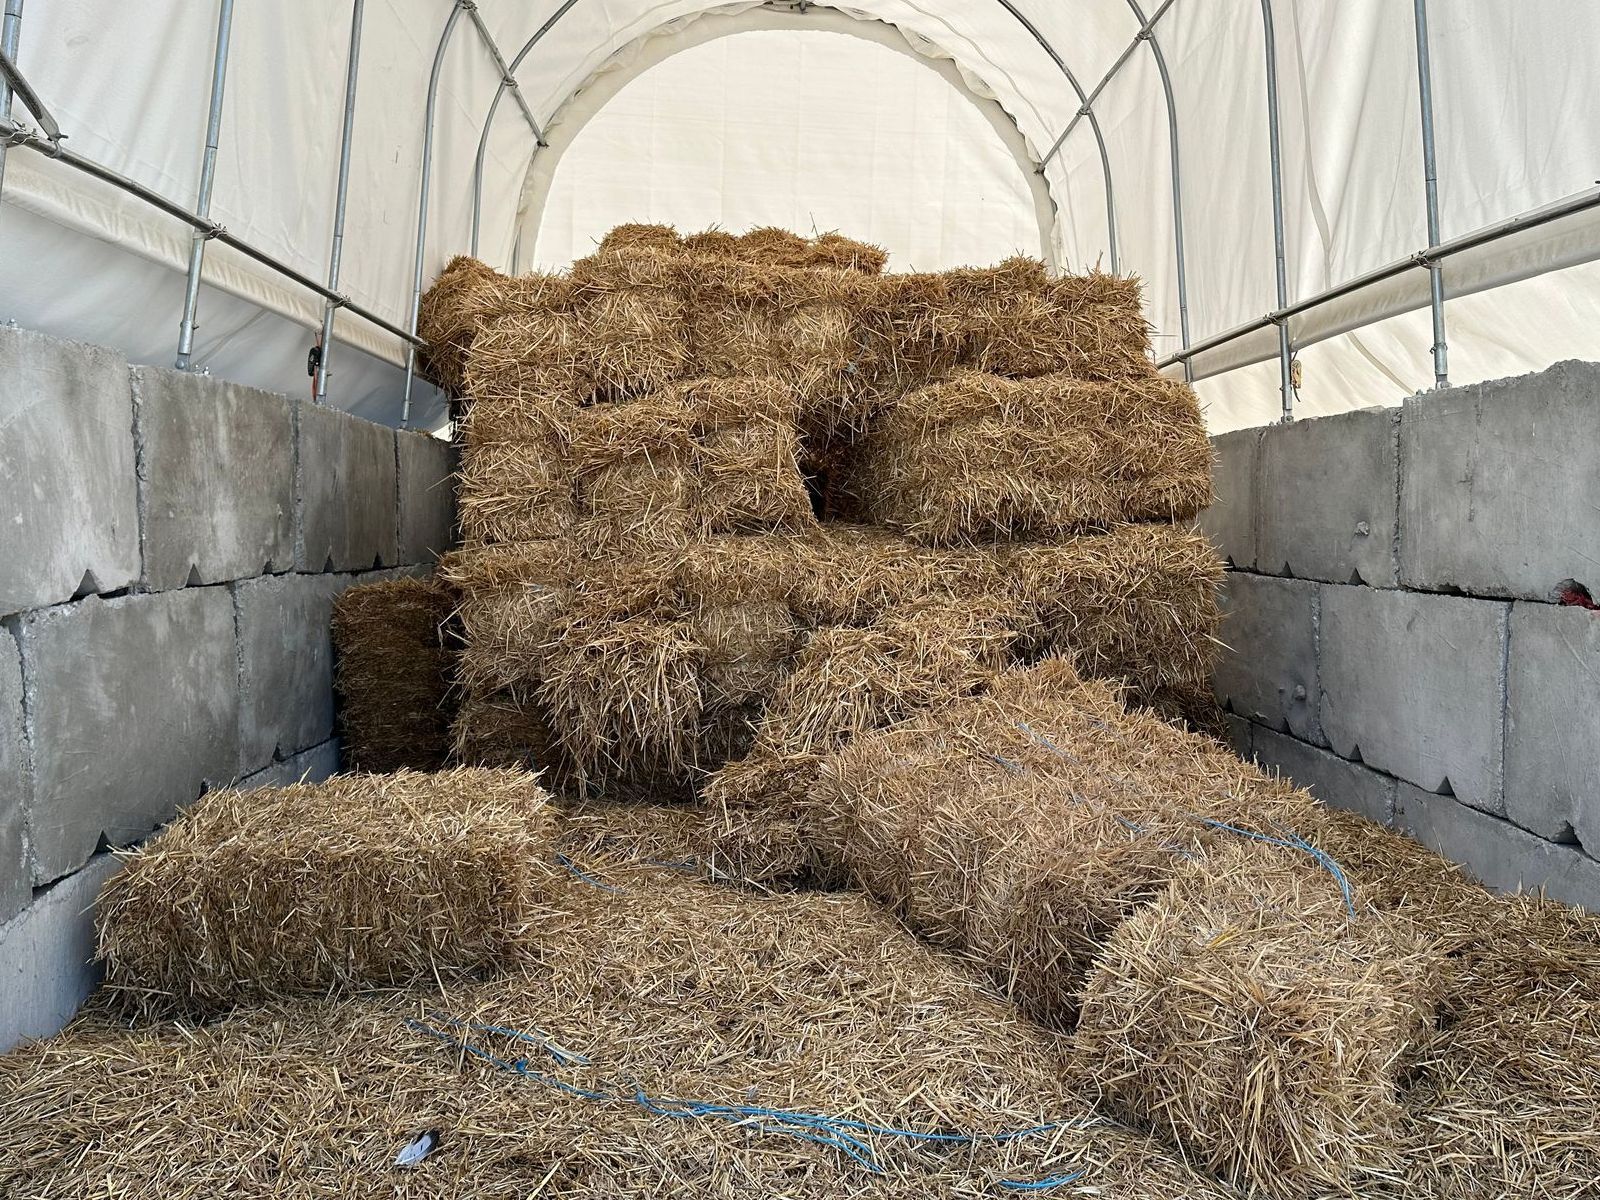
69 522
1500 483
217 467
1412 684
1267 670
1230 522
1327 497
348 500
135 710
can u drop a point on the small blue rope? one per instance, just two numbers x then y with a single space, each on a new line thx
1295 842
591 880
1039 1185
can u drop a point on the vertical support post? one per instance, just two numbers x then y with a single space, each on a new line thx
1148 33
1285 351
1430 163
208 175
341 202
422 205
10 35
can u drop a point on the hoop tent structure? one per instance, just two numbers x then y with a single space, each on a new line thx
1395 195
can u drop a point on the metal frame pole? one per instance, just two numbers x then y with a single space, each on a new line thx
507 82
422 203
208 175
1285 351
10 35
1430 162
341 203
1087 110
1147 33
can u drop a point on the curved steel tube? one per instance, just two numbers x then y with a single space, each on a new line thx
1147 31
208 176
1094 123
422 205
341 197
1430 163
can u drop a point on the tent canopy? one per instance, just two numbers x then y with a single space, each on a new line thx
1246 158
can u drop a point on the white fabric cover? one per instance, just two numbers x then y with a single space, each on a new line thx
1515 87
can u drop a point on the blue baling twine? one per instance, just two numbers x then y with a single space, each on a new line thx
844 1134
1291 840
591 880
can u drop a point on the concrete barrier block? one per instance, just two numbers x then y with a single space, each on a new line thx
309 766
1337 783
1230 522
427 468
47 957
347 499
1499 483
68 487
1240 734
285 665
1412 685
1499 854
217 467
16 877
1328 498
1553 723
135 709
1267 671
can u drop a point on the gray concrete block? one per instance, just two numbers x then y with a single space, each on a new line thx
1267 671
309 766
1499 482
1230 522
1496 852
16 877
285 665
1327 491
135 709
1553 723
216 466
47 957
1412 685
347 496
1240 735
68 490
427 468
1337 783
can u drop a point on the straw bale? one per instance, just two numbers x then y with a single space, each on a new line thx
1018 322
637 236
1257 1015
633 317
360 881
463 297
504 729
1022 826
746 651
532 349
979 457
652 984
393 674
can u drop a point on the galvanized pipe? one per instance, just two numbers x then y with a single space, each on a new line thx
208 175
1285 351
206 227
422 204
1087 110
342 197
508 80
1147 32
1430 164
10 36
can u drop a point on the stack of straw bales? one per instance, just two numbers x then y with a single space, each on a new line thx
393 668
365 880
674 1039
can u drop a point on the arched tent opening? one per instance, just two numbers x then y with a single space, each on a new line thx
821 122
1282 174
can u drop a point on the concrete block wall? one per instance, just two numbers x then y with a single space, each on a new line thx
1406 623
170 549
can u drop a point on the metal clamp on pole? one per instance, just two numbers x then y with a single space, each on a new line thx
208 175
